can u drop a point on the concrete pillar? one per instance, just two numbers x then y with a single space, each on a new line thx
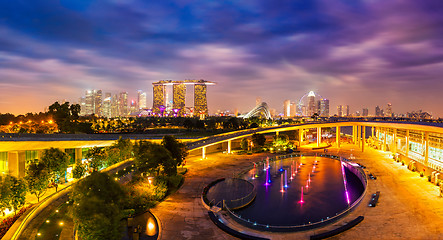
426 148
300 135
407 142
203 152
354 131
337 136
229 146
372 129
318 136
363 138
384 141
78 155
394 148
358 135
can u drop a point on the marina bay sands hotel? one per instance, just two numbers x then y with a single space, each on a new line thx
179 96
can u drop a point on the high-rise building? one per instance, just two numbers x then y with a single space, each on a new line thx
107 103
293 109
89 102
114 106
141 99
339 111
378 111
287 108
365 112
123 104
324 108
133 107
389 110
312 108
178 100
200 101
346 110
98 102
159 90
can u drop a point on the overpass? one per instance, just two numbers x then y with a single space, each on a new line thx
413 142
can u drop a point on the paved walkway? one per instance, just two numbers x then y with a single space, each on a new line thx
409 206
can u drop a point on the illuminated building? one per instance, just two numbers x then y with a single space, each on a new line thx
92 103
179 96
141 99
365 112
324 108
378 112
98 103
389 110
123 104
107 103
158 96
287 108
178 100
311 104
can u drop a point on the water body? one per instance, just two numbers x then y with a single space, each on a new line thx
324 197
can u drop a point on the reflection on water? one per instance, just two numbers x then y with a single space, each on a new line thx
319 179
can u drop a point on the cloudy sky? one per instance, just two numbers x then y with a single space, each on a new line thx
360 53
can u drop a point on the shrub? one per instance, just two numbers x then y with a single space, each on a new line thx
175 181
422 174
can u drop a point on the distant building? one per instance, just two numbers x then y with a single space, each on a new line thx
419 115
312 107
365 112
141 99
343 110
378 112
287 108
293 109
123 104
92 103
389 110
324 108
114 106
107 105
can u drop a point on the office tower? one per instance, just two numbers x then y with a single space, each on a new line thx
123 104
133 107
178 100
377 111
311 104
346 110
114 106
287 108
107 103
389 110
293 109
98 102
82 102
141 99
89 102
340 111
324 107
365 112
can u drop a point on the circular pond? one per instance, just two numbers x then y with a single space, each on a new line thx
300 191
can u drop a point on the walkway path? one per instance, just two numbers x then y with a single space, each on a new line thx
409 206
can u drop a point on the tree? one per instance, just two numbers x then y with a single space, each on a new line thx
78 171
97 158
97 207
119 151
177 149
56 162
18 192
5 194
244 144
258 139
152 157
37 178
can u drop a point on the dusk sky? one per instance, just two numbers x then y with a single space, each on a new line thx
360 53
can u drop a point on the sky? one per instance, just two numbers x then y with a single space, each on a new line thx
356 53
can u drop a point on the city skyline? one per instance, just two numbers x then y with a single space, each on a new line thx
360 54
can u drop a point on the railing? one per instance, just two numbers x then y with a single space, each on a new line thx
359 173
241 202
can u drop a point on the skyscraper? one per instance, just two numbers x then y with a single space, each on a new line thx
98 103
324 107
388 110
114 106
92 103
378 111
287 108
141 99
123 104
159 90
340 111
200 101
178 100
311 104
365 112
107 103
